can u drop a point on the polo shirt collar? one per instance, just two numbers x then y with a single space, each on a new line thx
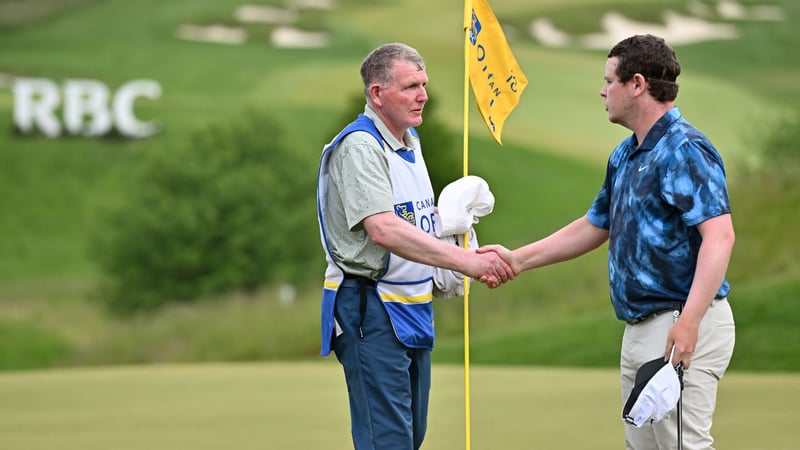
659 128
388 137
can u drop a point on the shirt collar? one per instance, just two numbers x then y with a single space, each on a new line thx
388 137
657 130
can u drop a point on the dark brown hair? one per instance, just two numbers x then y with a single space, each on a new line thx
651 57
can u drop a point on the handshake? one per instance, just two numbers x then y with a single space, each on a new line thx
460 204
493 265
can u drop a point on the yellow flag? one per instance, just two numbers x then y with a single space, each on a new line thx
494 74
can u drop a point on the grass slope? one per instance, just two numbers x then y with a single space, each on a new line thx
547 174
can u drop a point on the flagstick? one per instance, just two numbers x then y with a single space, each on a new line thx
467 27
489 94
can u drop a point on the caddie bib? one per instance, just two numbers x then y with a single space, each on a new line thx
405 287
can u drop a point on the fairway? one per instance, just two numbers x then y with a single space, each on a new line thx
303 406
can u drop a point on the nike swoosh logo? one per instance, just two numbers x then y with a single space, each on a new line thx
641 168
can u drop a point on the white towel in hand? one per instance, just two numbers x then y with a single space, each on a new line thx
449 283
461 203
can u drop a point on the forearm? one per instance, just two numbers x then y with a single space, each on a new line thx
409 242
575 239
712 263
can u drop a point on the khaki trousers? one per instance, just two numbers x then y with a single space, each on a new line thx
645 341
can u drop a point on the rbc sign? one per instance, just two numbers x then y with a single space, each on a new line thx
86 109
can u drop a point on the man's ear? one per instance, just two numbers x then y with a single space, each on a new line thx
375 94
639 84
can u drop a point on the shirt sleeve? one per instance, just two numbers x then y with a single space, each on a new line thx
694 183
362 173
598 213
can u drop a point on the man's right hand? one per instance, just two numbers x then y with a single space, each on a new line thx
494 269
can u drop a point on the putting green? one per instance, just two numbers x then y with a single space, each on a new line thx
304 406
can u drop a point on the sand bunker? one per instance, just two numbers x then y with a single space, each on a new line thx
288 37
677 29
283 36
220 34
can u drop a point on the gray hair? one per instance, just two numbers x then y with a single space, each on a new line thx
377 66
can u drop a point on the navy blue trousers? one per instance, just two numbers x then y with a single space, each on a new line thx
388 383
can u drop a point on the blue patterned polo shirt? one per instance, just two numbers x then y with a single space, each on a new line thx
651 200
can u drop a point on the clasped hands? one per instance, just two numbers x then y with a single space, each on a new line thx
497 265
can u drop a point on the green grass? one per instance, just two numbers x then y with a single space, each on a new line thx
556 144
304 406
199 87
27 346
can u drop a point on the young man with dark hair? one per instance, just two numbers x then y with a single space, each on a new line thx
665 212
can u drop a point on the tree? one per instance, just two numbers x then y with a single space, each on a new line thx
231 209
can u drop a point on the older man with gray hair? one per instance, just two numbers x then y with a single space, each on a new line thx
377 223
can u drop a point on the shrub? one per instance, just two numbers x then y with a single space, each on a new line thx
782 145
231 209
28 346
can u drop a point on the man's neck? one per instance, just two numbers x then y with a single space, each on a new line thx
398 134
648 117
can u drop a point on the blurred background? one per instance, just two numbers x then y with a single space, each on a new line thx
158 163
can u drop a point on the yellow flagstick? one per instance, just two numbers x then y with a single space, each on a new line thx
497 82
467 27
